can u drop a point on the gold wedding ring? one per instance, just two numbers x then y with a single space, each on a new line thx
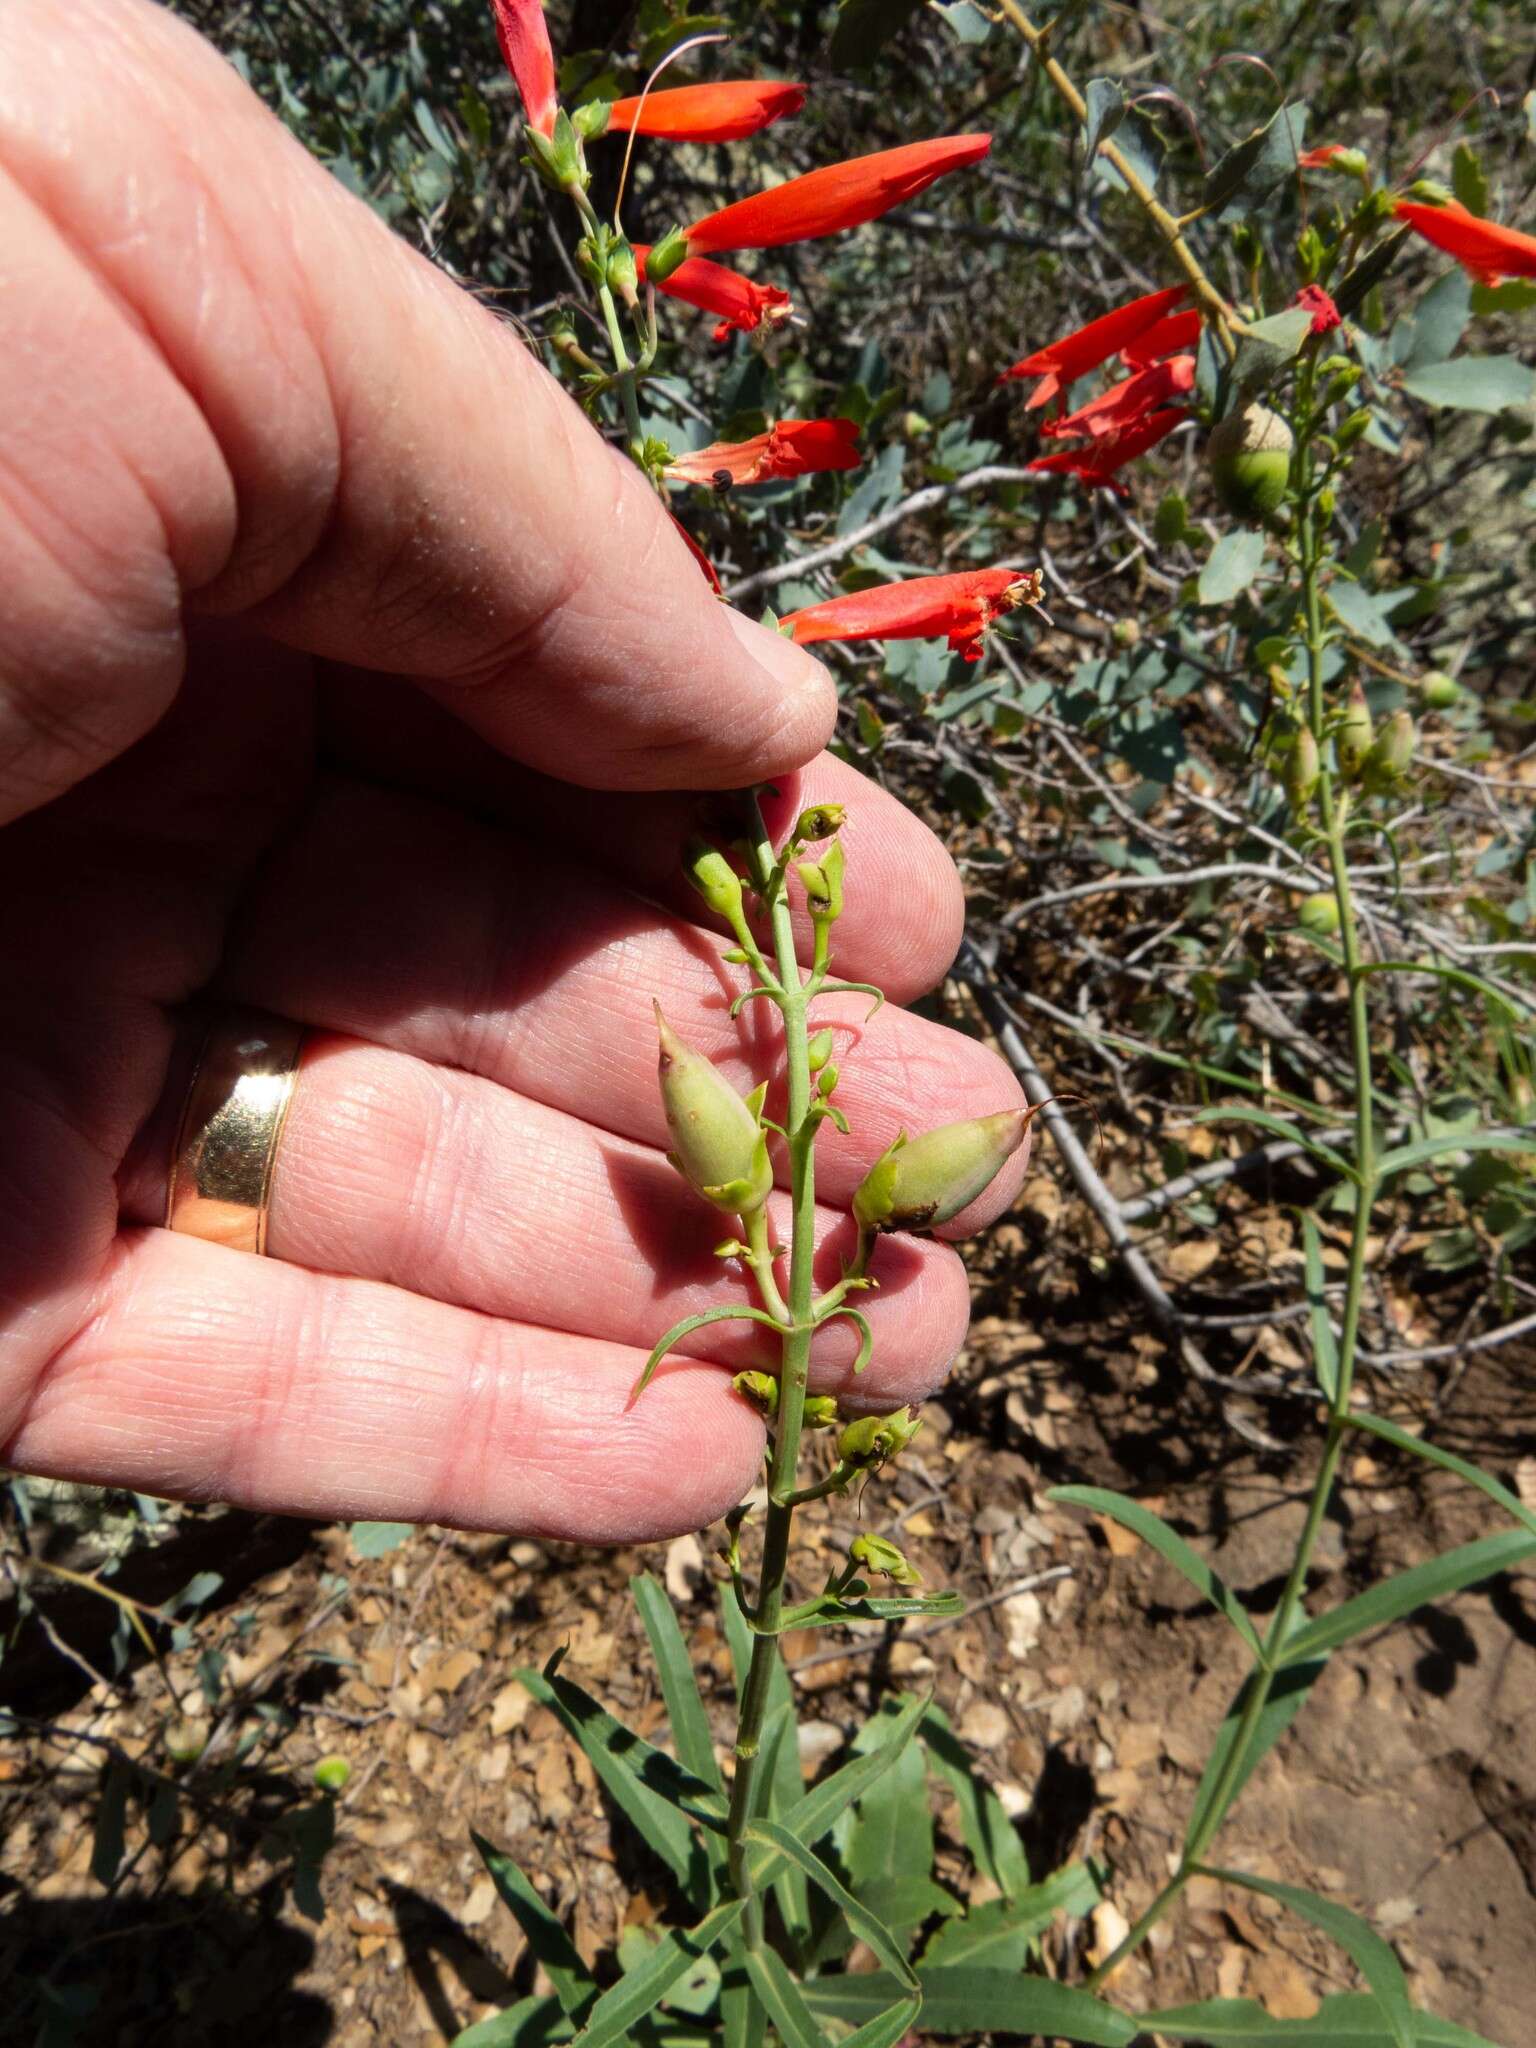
221 1169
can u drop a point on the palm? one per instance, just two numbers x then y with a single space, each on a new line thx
474 1235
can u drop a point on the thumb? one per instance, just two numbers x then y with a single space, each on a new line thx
256 401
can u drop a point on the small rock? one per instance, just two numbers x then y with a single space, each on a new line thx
477 1908
818 1741
684 1570
985 1724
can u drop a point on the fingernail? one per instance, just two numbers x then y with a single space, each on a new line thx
794 672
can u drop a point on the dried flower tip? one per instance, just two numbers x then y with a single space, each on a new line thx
820 1411
925 1181
819 822
761 1389
823 882
873 1439
879 1554
718 1145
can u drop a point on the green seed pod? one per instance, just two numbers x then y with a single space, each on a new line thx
1355 733
1302 768
718 1145
1249 458
1392 755
1126 632
878 1554
1319 915
820 1411
819 1050
623 272
715 879
821 821
875 1438
823 883
185 1740
1439 691
829 1080
332 1773
926 1180
761 1389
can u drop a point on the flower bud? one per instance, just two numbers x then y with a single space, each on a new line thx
820 1411
823 881
1126 632
1249 457
332 1773
1349 430
820 821
665 256
715 879
1392 755
829 1079
185 1740
557 157
761 1389
718 1145
1354 161
874 1438
1319 915
1355 733
623 272
1439 691
818 1050
1302 768
926 1180
879 1554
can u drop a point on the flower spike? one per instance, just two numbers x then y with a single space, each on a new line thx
839 196
707 113
957 609
523 35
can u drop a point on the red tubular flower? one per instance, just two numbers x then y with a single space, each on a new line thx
1325 314
1097 462
1126 404
790 448
524 37
955 609
1489 252
707 113
1077 353
840 196
1320 158
1172 335
707 568
742 305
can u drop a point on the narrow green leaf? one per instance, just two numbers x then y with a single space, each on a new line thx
978 2001
1231 566
1372 1956
737 1312
1395 1597
887 2029
1434 1455
1258 163
1287 1694
743 2022
783 1998
653 1789
1277 1126
108 1838
874 1932
1155 1532
1350 2019
1467 179
1106 110
1325 1346
819 1808
826 1610
642 1989
548 1940
784 1784
1001 1933
984 1823
1457 976
1402 1157
679 1688
531 2023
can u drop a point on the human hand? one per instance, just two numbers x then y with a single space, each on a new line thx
318 594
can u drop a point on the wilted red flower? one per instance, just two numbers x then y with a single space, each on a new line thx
1320 158
741 304
790 448
707 568
1128 402
1482 247
1097 461
1325 314
839 196
524 37
707 113
1172 335
956 609
1059 362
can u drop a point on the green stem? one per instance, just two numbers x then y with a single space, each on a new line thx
800 1127
1333 816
